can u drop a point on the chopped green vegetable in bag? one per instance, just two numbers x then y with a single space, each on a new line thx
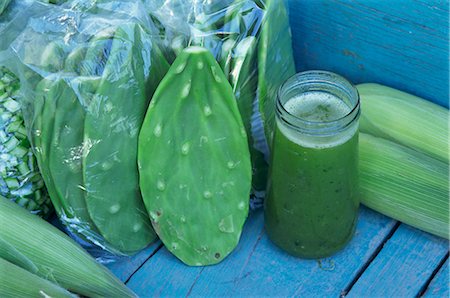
20 180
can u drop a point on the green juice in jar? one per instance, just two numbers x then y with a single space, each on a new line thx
312 202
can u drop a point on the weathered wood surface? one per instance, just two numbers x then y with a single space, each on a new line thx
400 43
259 268
439 286
403 266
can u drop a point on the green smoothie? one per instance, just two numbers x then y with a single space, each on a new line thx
312 202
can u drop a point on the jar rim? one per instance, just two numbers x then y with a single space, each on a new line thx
322 77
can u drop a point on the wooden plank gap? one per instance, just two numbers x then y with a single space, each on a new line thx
251 253
195 281
436 270
370 260
140 266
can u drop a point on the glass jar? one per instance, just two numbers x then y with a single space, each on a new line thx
312 200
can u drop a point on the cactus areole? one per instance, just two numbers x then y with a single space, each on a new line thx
194 161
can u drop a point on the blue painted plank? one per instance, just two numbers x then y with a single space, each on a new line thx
439 286
258 268
165 275
403 44
403 266
269 271
125 267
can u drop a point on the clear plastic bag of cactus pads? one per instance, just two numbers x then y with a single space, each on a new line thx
20 180
88 70
251 41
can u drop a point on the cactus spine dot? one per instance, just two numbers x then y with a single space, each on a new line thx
158 130
207 194
153 216
107 165
186 90
207 111
215 75
160 185
114 208
243 133
137 227
241 205
185 148
180 68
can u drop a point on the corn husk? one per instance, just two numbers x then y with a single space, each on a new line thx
405 119
404 184
56 257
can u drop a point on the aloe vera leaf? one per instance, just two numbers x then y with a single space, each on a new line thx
17 282
112 124
275 61
192 127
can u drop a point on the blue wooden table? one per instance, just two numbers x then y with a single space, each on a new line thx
399 43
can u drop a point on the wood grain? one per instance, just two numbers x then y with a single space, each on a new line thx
439 286
258 268
403 43
403 265
165 275
125 267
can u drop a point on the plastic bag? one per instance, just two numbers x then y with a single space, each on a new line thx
20 180
244 36
89 69
88 78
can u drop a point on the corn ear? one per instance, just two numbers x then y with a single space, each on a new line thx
404 184
405 119
11 254
55 255
17 282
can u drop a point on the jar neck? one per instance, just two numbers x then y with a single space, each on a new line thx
329 84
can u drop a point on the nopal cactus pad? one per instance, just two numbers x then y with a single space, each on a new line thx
112 122
275 60
194 162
